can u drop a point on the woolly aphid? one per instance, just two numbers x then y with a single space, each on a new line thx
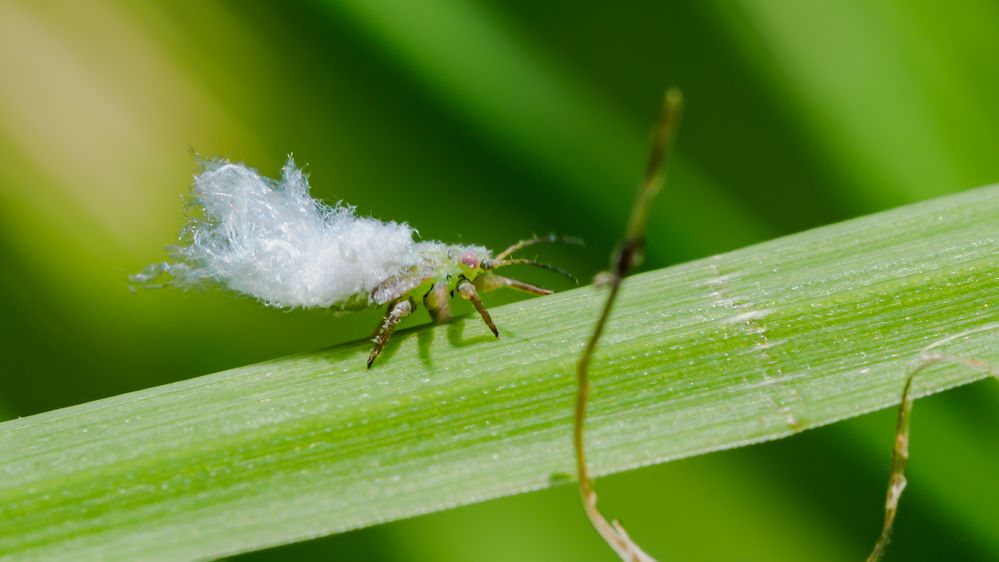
269 239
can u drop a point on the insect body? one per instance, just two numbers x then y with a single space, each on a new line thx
271 240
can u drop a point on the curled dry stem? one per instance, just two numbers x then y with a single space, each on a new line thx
627 256
928 357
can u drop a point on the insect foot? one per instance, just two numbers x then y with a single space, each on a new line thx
467 291
396 312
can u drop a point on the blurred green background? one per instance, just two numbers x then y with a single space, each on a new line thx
486 122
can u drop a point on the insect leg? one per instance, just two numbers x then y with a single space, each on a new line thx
396 312
436 301
490 281
549 239
496 264
467 291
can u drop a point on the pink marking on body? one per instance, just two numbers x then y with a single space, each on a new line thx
470 259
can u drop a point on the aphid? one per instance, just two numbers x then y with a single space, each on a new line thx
269 239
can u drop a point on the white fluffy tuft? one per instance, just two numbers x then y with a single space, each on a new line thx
271 240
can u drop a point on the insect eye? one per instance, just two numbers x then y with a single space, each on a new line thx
470 259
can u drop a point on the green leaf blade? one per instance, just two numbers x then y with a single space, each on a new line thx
738 348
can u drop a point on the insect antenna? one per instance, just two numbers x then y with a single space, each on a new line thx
549 239
496 264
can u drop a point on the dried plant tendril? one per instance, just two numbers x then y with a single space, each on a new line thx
928 357
627 255
269 239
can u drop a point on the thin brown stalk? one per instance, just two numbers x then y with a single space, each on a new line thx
900 454
627 256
